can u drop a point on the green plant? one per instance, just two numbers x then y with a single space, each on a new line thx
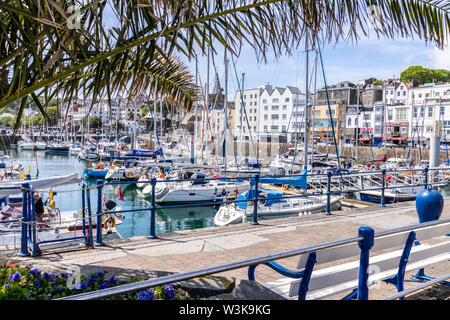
28 283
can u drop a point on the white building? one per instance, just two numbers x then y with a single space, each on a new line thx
396 92
269 112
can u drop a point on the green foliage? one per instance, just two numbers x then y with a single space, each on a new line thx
424 75
95 122
378 82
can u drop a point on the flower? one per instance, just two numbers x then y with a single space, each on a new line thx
168 290
146 295
48 276
28 266
6 284
104 285
93 278
35 272
15 276
112 280
37 284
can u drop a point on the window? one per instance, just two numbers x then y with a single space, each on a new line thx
349 122
265 128
390 115
285 107
251 96
266 108
251 110
275 117
275 107
283 128
274 127
420 95
366 116
442 111
250 103
427 95
286 100
275 100
266 117
264 101
401 114
415 112
404 93
284 116
404 129
430 112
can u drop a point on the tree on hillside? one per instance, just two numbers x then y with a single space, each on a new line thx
424 75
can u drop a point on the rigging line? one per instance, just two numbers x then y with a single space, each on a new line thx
329 111
443 128
245 111
413 133
208 123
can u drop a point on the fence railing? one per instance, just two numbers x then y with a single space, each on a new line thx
362 288
337 184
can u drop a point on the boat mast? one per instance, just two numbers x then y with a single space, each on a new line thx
225 103
306 103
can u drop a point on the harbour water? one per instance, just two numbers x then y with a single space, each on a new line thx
135 223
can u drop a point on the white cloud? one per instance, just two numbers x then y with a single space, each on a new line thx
440 58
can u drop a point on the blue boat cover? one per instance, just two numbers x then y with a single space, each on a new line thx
273 196
299 181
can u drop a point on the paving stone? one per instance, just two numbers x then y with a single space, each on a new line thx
207 286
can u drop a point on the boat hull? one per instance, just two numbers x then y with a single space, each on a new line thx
375 197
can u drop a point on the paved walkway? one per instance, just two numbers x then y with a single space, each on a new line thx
189 250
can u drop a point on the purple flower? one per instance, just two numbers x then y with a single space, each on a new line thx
6 284
49 277
112 281
168 290
93 278
37 284
15 276
35 272
146 295
104 285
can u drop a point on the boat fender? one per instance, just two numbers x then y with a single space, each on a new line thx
285 186
130 174
224 192
111 221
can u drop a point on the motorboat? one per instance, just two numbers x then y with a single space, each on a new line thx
75 149
8 188
196 190
26 145
40 145
57 148
89 154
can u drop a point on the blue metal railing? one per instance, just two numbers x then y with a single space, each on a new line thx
365 239
29 218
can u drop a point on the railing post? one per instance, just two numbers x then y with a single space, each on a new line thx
152 234
23 239
328 208
255 207
383 186
98 238
34 248
425 171
365 245
88 199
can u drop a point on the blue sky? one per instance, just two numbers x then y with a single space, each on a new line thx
378 58
369 57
